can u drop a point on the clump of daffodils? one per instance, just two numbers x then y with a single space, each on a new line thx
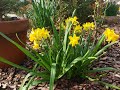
75 24
37 35
77 29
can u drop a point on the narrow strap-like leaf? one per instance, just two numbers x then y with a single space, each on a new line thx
98 44
41 74
56 35
28 53
52 76
68 67
36 82
24 81
102 69
110 85
104 48
68 28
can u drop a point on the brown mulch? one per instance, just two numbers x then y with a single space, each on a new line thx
11 78
111 59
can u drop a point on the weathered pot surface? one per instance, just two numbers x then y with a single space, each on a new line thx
7 49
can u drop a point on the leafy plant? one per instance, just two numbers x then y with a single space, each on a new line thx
111 9
41 12
83 9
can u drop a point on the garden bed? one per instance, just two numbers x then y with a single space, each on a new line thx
11 78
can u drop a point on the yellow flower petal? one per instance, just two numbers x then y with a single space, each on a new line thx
74 40
72 19
36 45
88 26
110 35
77 29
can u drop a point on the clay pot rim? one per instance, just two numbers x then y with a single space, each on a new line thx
14 26
19 20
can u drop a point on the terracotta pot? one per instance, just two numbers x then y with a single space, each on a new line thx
7 49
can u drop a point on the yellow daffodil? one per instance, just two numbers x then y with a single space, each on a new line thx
36 45
32 36
115 38
88 26
92 25
37 35
110 35
44 33
74 40
73 20
63 26
77 29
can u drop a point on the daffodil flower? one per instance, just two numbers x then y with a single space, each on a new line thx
77 29
37 35
73 20
74 40
36 45
88 26
110 35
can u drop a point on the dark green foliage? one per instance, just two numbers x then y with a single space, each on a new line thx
83 9
111 9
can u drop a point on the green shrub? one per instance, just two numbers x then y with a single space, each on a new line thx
111 9
83 9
